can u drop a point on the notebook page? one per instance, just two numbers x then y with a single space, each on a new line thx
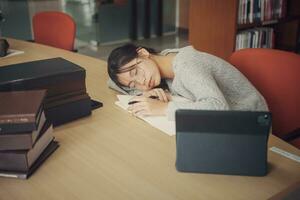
160 122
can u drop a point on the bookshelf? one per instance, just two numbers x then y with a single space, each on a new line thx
213 26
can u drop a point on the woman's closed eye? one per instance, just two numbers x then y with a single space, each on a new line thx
133 72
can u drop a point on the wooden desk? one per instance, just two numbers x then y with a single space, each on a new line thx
111 155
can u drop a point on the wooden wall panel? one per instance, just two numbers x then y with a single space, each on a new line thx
213 26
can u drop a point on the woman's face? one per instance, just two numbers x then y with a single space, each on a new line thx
143 74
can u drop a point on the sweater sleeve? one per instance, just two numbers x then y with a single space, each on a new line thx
203 87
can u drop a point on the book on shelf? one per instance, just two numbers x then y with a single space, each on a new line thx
20 111
250 11
21 141
40 160
22 160
255 38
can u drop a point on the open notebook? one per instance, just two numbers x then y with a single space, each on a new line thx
160 122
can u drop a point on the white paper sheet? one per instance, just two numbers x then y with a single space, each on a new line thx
160 122
12 52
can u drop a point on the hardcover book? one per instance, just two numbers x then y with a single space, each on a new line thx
21 160
21 141
20 111
63 96
66 100
57 75
63 113
41 159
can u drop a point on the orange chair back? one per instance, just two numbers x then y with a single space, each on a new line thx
55 29
276 74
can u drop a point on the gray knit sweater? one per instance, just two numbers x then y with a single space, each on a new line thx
210 83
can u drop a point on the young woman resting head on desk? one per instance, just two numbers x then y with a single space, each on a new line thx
209 82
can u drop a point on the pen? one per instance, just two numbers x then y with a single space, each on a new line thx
133 102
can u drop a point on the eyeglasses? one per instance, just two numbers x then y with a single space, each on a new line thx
137 74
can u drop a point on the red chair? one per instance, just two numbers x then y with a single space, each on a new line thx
55 29
276 74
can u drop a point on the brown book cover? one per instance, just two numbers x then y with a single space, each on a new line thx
21 141
22 160
41 159
20 110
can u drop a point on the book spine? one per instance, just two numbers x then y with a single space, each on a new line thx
262 10
256 39
21 161
270 10
10 119
67 112
63 96
243 11
259 39
13 161
251 14
284 8
15 142
277 9
258 10
280 8
255 10
266 10
240 12
272 38
21 141
13 128
247 9
70 99
237 39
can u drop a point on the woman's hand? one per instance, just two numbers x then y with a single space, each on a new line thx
158 92
147 106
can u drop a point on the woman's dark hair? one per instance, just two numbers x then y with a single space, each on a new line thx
120 57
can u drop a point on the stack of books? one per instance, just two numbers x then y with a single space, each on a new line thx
26 137
251 11
64 81
255 38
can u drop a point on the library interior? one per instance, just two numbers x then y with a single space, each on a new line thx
149 99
